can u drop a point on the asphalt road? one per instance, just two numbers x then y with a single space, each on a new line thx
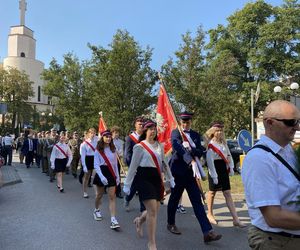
34 215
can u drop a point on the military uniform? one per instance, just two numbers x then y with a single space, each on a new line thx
74 145
49 143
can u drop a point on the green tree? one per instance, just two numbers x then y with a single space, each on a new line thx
122 80
68 85
15 90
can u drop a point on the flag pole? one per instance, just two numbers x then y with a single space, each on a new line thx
118 157
181 132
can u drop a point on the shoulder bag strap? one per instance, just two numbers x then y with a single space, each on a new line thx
283 161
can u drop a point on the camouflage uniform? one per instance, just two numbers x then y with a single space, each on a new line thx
74 144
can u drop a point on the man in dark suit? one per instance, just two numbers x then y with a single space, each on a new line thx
186 145
130 141
28 149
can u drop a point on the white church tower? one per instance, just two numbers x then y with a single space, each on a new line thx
21 55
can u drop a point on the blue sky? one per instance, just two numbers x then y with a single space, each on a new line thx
62 26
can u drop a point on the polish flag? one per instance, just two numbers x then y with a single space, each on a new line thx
102 125
165 118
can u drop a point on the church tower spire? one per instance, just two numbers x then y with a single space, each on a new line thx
23 8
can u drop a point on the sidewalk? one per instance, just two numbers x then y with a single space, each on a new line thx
10 175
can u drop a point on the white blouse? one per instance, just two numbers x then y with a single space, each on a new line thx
57 154
211 156
99 161
86 150
142 158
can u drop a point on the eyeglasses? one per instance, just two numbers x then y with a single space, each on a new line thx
289 122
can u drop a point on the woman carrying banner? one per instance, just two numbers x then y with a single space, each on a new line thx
87 151
220 166
107 175
146 164
61 157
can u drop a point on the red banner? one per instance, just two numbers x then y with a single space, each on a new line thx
165 119
102 125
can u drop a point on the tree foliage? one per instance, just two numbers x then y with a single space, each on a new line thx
15 90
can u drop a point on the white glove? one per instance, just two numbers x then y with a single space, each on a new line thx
215 181
172 183
186 145
231 173
118 181
104 180
196 172
68 166
126 190
52 167
85 169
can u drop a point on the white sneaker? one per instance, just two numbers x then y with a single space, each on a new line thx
85 195
97 215
114 224
181 209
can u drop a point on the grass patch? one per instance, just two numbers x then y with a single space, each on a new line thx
235 183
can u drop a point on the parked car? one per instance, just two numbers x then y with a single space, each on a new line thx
235 151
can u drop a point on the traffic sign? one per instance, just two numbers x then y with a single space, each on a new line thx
244 140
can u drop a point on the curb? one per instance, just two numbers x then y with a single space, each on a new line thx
10 176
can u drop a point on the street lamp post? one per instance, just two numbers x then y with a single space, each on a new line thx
287 82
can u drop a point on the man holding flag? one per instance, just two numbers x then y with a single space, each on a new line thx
186 145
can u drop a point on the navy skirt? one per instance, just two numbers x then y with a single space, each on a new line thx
110 179
223 177
89 162
60 165
149 184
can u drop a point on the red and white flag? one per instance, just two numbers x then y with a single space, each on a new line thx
165 118
102 125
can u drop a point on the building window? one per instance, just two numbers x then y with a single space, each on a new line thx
22 54
39 93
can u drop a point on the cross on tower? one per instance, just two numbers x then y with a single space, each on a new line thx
22 7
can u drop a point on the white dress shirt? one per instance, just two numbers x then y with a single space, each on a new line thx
119 144
211 156
268 182
99 161
86 150
142 158
57 154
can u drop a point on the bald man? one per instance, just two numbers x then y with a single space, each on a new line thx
271 181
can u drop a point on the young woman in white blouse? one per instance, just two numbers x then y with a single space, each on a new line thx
60 159
107 175
147 164
220 166
87 151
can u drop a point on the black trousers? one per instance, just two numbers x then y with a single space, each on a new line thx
189 183
29 158
7 154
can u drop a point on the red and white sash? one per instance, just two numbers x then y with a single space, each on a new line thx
134 138
90 145
110 167
220 153
155 160
61 150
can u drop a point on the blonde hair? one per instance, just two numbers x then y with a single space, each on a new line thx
210 133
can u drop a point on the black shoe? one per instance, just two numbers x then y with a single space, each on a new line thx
51 180
211 236
61 190
27 166
173 229
75 176
120 196
90 185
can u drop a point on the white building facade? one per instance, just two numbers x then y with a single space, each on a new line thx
22 56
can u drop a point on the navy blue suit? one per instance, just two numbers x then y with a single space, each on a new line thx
129 144
28 154
128 151
182 172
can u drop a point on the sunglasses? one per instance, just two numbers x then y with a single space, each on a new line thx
288 122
